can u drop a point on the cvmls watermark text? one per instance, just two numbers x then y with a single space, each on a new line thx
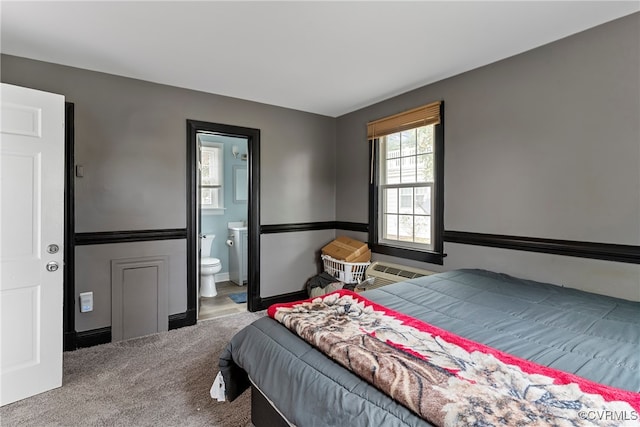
604 415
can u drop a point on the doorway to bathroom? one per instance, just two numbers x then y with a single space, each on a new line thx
222 226
223 218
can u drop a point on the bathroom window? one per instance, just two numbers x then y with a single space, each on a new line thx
211 177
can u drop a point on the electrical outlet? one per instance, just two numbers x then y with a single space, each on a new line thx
86 302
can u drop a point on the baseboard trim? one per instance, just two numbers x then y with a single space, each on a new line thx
263 303
70 341
93 337
222 277
103 335
180 320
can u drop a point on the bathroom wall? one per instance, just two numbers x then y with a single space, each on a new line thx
234 211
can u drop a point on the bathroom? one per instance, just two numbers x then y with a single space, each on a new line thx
223 216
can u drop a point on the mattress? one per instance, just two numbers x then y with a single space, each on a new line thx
593 336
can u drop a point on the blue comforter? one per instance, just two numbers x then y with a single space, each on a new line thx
594 336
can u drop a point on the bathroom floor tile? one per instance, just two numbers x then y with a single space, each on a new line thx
221 304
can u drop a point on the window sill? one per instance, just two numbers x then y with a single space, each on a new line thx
213 211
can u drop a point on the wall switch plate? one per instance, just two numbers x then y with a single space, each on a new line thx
86 302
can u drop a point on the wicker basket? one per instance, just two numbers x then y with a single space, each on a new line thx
347 272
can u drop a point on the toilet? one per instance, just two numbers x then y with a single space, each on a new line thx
209 266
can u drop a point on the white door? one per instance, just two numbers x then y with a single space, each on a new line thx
32 227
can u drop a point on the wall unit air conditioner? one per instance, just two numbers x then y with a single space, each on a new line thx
385 273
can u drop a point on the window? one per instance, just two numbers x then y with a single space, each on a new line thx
406 196
211 174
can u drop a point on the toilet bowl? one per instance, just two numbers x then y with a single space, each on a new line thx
209 266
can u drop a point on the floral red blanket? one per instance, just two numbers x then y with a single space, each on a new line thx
444 378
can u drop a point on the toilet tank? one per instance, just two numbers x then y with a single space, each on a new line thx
206 242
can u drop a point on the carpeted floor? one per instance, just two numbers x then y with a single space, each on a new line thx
158 380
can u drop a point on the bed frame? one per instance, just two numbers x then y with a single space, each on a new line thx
263 414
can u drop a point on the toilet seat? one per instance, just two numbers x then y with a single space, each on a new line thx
209 262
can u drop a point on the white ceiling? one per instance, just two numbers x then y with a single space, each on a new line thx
328 57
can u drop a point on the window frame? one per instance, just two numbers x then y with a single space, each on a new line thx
378 245
211 146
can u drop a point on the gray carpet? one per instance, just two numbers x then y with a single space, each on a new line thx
158 380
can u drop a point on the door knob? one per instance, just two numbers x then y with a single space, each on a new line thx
53 248
52 266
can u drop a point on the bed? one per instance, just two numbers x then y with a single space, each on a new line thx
592 336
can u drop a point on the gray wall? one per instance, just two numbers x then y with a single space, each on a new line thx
93 274
298 258
543 144
130 136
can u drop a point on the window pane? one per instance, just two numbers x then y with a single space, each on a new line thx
392 174
205 200
215 197
408 142
425 168
408 170
391 200
210 197
425 139
210 163
390 227
406 200
423 201
392 146
423 229
405 228
205 168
